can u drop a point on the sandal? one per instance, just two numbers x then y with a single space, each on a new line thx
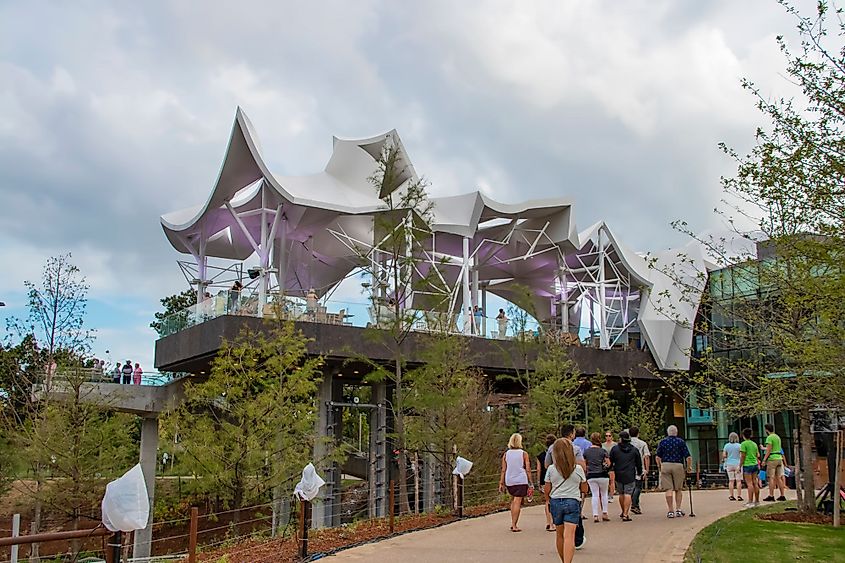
679 513
731 498
596 519
515 529
605 518
626 518
670 515
549 528
739 499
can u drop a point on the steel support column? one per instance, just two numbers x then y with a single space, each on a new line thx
378 478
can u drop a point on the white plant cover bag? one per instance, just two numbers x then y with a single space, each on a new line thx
462 467
310 484
126 506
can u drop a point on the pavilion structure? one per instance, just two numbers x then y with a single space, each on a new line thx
309 233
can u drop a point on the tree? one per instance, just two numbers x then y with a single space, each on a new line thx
603 410
554 393
248 428
56 311
647 411
447 406
400 233
775 328
173 304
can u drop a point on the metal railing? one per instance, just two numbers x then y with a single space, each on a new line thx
99 375
379 315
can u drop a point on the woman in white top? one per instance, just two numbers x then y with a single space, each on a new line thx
565 485
730 457
516 466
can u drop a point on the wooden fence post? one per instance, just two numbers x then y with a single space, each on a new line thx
192 536
304 517
460 496
391 504
16 531
837 480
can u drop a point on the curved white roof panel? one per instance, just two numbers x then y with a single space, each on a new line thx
320 225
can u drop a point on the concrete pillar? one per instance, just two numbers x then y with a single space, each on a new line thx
149 458
378 478
430 488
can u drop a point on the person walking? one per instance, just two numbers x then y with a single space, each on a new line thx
502 321
673 458
565 485
581 440
127 371
773 460
516 467
568 432
608 445
627 466
645 456
541 478
749 459
137 374
731 460
597 477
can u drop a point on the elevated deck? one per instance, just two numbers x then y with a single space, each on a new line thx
192 349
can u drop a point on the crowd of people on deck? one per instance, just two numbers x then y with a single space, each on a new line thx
574 464
124 373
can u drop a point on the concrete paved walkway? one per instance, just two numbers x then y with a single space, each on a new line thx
650 537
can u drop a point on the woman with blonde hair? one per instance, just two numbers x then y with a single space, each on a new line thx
565 485
730 458
516 466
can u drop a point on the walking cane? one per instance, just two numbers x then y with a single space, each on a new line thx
691 512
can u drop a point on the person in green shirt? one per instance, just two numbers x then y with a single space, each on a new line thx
773 458
749 458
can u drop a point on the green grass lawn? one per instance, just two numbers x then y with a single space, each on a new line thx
734 537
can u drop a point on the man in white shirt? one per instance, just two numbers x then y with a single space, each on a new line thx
645 455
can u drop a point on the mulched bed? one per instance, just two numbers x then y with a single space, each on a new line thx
328 540
798 517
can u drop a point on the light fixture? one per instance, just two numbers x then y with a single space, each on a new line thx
253 273
355 372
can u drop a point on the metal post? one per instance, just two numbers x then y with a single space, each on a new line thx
467 302
16 531
392 504
416 482
459 496
304 517
796 455
192 536
603 339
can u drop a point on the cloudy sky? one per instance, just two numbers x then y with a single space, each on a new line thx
112 113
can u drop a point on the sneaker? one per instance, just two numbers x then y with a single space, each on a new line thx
583 541
609 499
749 505
769 498
781 498
636 510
